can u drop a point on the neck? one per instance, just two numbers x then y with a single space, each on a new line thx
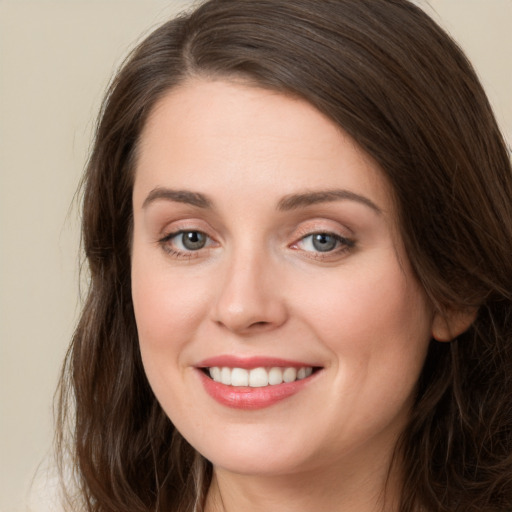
335 489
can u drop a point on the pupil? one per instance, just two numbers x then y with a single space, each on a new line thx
323 242
193 240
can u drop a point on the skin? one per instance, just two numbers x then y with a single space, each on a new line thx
259 287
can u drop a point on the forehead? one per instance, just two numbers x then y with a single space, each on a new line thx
203 134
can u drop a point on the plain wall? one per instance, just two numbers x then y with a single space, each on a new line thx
56 58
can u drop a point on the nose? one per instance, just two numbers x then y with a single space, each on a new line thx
250 298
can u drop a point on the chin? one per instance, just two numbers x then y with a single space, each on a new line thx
257 454
261 465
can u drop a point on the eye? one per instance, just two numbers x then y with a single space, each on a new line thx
191 240
185 241
324 242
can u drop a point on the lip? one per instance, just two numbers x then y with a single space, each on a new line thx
249 398
248 363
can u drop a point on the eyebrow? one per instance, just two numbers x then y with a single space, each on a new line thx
287 203
177 196
294 201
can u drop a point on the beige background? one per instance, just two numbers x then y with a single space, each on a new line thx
56 58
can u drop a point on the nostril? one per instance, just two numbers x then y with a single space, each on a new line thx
259 324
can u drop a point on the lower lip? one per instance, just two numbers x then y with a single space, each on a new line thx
251 398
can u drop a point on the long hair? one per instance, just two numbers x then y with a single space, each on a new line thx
403 90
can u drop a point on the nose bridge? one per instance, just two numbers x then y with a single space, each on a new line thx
248 297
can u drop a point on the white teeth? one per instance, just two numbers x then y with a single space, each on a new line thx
275 376
289 374
302 373
215 373
225 376
239 376
258 377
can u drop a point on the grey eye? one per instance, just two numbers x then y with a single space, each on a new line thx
324 242
193 240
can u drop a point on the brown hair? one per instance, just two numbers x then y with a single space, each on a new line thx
392 79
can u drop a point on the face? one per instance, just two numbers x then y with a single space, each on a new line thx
280 325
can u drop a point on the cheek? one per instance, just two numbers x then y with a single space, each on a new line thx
167 313
376 325
167 309
377 316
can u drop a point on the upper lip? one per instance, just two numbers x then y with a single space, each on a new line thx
251 362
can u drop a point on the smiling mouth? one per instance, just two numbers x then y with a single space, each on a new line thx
258 377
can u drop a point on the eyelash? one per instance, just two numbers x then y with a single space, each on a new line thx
343 245
167 246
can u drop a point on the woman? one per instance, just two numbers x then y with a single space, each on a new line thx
298 223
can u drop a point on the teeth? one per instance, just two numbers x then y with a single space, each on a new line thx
289 374
239 376
302 373
225 376
275 376
258 377
215 374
